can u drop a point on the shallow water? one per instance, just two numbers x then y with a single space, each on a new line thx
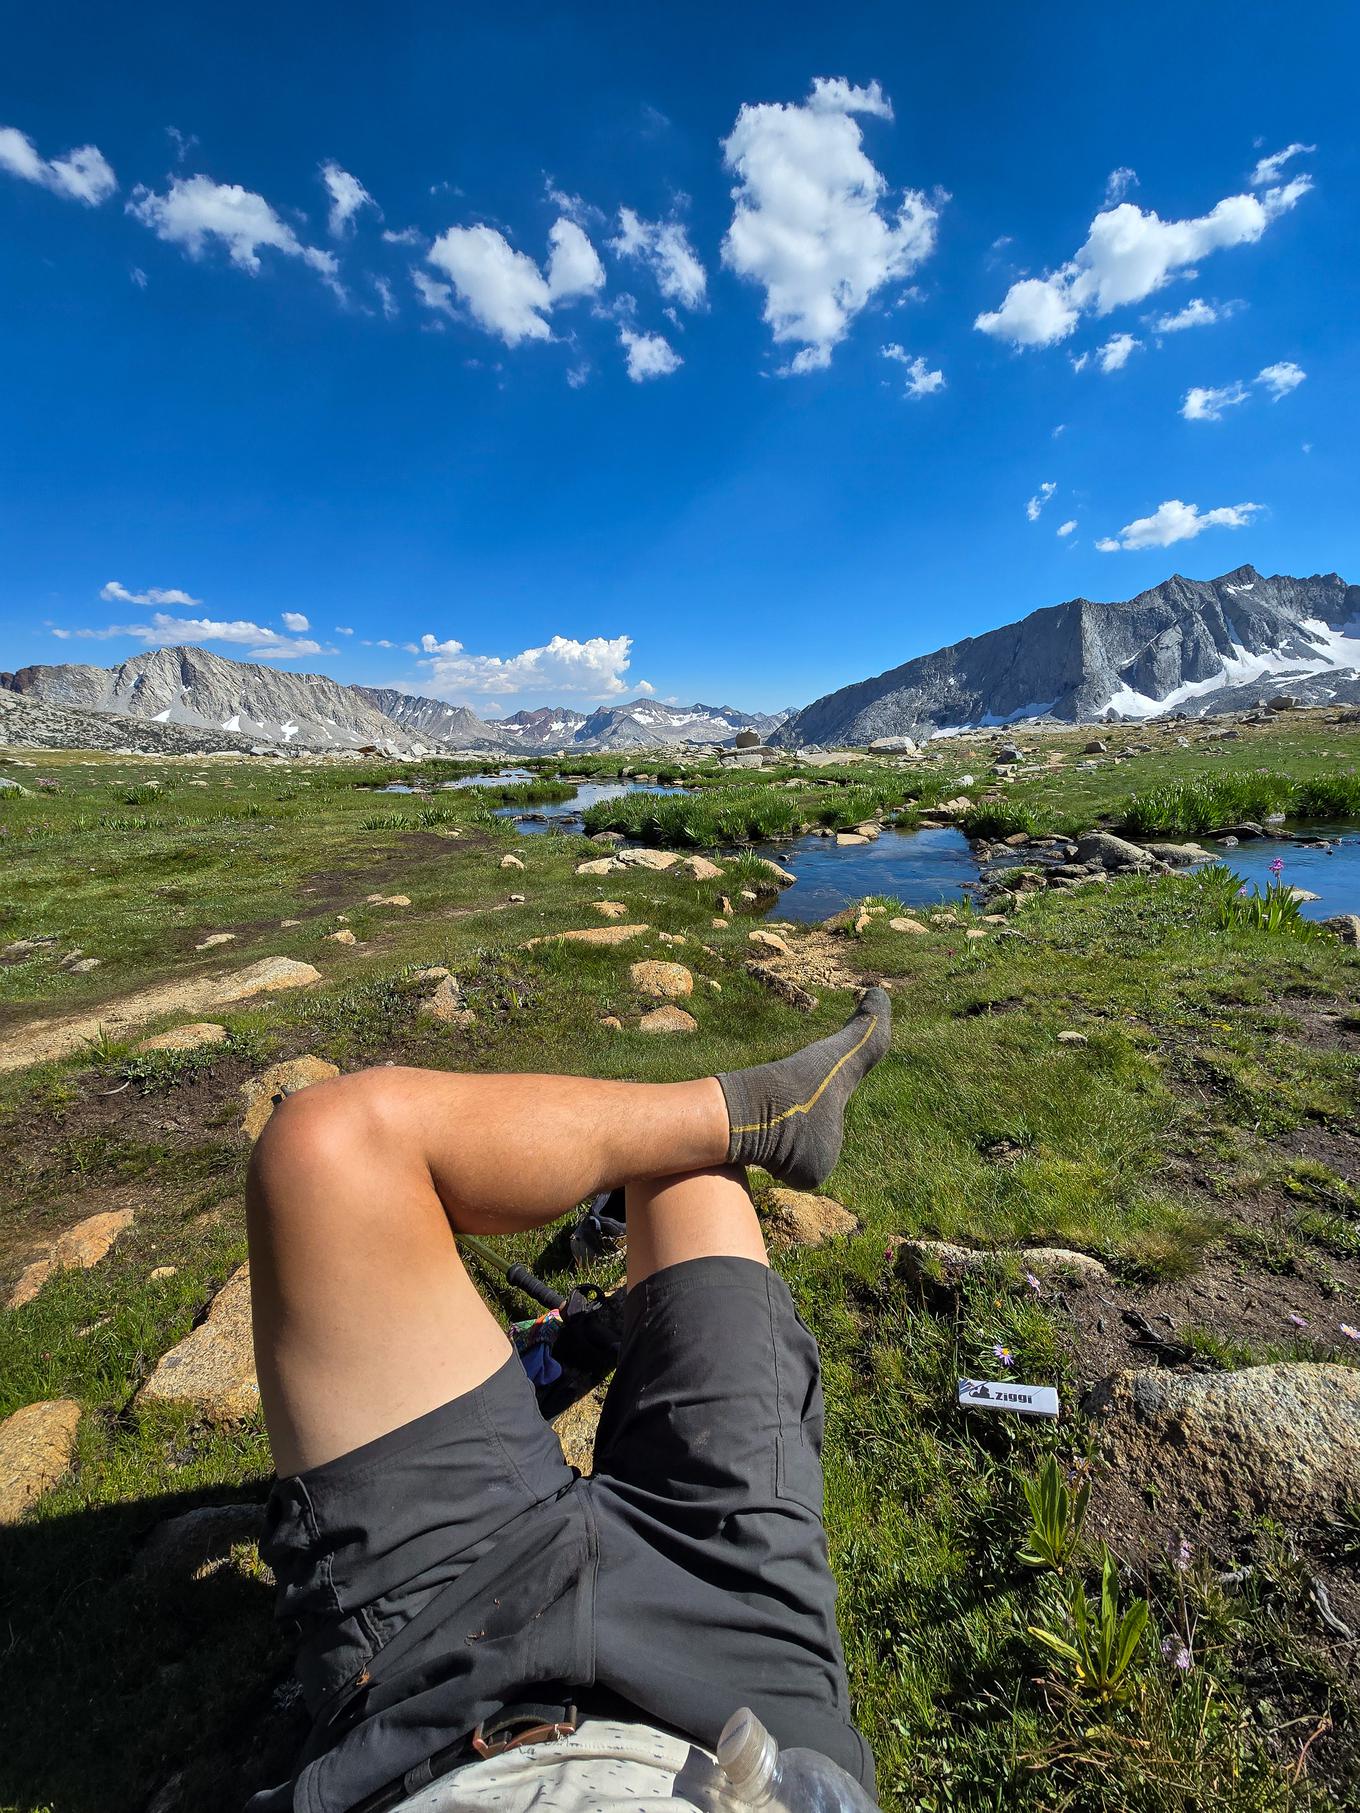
468 780
1334 876
916 867
588 793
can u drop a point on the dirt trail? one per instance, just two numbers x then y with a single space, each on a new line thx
42 1040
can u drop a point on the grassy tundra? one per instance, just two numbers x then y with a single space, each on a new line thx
1201 1142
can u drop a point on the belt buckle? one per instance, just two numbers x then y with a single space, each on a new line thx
536 1729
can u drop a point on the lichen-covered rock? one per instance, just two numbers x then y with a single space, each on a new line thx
280 1079
213 1368
77 1249
36 1444
798 1218
663 981
668 1019
1280 1440
576 1428
184 1038
934 1262
591 934
199 1543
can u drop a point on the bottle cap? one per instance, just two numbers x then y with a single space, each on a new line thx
746 1752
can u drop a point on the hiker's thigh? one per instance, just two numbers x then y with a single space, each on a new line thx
361 1544
364 1316
709 1482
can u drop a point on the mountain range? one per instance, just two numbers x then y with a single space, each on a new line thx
1191 645
243 703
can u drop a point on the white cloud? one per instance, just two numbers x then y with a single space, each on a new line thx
1267 171
921 381
1207 405
1114 355
1280 379
408 236
164 630
114 593
138 276
1174 521
347 195
340 630
436 296
806 222
504 290
386 298
1129 253
1196 313
592 669
574 267
1066 528
649 355
1118 183
195 209
664 247
82 175
1040 498
294 620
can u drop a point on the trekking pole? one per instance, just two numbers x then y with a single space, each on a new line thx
514 1274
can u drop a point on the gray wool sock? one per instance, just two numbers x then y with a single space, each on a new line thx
787 1116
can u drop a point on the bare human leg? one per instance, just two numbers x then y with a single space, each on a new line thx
364 1315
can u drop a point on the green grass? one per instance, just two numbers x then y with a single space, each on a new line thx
979 1127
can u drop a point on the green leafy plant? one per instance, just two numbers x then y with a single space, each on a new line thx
1100 1644
1056 1513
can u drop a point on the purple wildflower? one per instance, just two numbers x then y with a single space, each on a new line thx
1277 867
1176 1653
1004 1354
1351 1334
1298 1321
1181 1553
1032 1282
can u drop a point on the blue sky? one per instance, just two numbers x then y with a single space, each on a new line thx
735 353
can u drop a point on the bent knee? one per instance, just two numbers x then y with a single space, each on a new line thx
338 1128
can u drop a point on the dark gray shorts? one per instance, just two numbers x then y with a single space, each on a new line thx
457 1564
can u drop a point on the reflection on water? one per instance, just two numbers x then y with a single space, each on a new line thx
1332 874
917 867
589 793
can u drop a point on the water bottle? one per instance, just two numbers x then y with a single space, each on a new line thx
755 1773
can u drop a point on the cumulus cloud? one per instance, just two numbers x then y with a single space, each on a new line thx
921 380
574 267
164 630
114 593
340 630
83 175
1174 521
649 355
195 210
1281 378
294 620
1040 498
1066 528
1129 253
1114 355
434 295
808 223
664 247
1206 404
503 290
1268 169
1196 313
347 195
592 669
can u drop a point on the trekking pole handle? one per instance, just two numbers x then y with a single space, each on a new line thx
517 1275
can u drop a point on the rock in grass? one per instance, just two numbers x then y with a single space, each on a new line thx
648 859
668 1019
798 1218
783 986
1281 1440
1346 927
784 877
1180 856
213 1369
446 1005
1070 1037
700 868
905 923
266 977
770 941
280 1079
199 1543
77 1250
591 934
598 865
183 1038
610 909
512 862
36 1445
576 1428
215 938
934 1262
663 981
343 936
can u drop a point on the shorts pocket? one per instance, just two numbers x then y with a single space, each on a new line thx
798 1463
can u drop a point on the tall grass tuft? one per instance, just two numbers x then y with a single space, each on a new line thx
1214 803
739 815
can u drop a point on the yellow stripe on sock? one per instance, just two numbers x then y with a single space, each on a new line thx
818 1092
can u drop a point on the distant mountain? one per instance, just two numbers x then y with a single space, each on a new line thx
550 727
645 723
28 722
193 686
1198 646
429 720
